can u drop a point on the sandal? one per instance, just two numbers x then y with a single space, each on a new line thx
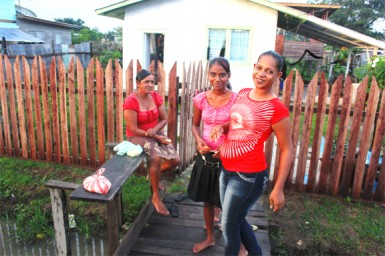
181 197
174 212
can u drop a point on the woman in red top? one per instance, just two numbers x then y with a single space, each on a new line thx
145 118
256 113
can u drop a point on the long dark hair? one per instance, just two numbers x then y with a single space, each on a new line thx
278 58
221 61
142 75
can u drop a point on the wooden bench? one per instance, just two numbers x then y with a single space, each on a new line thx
117 170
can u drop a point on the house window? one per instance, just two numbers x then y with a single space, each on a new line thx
58 38
230 43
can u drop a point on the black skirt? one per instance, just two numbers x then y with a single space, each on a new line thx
204 180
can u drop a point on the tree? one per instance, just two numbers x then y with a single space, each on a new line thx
358 15
86 34
71 21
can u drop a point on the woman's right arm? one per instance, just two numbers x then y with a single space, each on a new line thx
196 122
131 118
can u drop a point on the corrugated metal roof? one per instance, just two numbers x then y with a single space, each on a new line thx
16 35
289 19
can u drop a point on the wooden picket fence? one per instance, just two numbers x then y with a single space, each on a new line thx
67 116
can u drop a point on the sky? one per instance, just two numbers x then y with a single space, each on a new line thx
76 9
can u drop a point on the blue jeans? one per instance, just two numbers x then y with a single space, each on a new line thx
239 192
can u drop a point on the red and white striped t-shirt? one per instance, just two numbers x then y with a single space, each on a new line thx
250 126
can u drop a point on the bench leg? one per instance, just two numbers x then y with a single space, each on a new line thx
113 216
60 221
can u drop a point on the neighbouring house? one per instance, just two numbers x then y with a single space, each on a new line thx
9 30
48 31
195 30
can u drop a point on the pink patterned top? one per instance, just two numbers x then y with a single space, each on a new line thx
212 116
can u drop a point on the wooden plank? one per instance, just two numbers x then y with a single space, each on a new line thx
379 195
110 104
4 111
82 113
113 216
20 109
130 78
73 125
12 107
332 117
341 139
60 221
117 170
172 125
306 131
182 127
317 137
376 148
55 110
135 228
100 108
91 113
1 138
61 184
37 109
119 101
28 108
296 118
46 111
374 95
63 112
164 235
350 159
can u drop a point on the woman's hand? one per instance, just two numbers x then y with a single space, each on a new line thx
216 132
162 139
202 147
150 133
277 200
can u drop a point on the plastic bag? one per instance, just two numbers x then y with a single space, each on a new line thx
97 183
126 147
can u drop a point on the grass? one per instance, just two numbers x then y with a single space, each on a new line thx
25 199
307 225
317 225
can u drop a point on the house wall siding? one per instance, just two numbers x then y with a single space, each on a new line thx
49 30
185 24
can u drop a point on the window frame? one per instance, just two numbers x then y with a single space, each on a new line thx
228 32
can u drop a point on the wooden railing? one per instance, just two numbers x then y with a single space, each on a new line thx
67 116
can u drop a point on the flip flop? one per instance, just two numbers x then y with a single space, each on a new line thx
181 197
174 212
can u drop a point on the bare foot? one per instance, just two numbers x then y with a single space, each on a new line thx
203 245
159 206
242 251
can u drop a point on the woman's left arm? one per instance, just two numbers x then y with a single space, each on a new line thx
162 122
282 131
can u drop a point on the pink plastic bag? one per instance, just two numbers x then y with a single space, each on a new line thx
97 183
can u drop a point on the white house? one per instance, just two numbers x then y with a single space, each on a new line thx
195 30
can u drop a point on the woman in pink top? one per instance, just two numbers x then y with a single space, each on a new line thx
145 118
212 107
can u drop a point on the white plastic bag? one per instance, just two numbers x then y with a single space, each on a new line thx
126 147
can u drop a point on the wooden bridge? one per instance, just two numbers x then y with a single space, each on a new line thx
165 235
